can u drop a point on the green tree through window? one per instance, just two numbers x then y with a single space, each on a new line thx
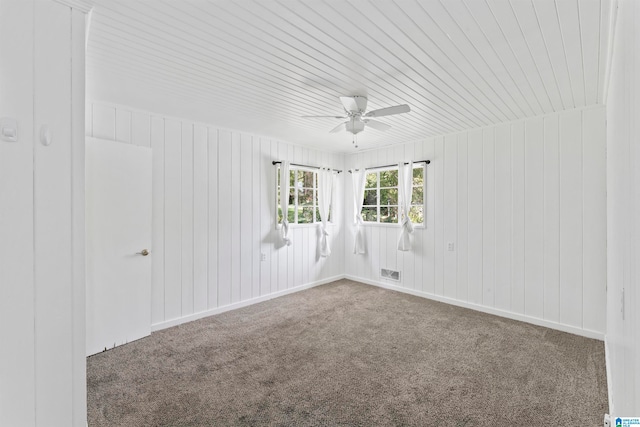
303 197
381 196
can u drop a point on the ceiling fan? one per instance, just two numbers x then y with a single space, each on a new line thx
357 118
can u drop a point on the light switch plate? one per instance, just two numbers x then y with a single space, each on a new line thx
8 129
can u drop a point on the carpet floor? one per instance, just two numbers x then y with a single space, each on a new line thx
349 354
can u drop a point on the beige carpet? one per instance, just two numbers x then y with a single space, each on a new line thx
348 354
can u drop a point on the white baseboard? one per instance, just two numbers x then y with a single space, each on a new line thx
490 310
607 361
175 322
502 313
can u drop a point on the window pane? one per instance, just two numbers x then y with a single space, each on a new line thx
418 176
388 196
370 197
305 197
389 178
318 219
292 178
372 180
417 197
307 178
305 215
389 214
291 214
279 214
416 214
370 214
291 208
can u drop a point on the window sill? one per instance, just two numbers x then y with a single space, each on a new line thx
387 225
316 224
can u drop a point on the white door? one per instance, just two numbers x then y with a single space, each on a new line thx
118 221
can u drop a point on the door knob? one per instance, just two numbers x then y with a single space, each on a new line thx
144 252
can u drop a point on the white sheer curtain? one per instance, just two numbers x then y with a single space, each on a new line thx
325 188
405 182
284 201
358 181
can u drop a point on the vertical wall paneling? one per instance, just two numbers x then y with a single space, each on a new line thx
503 217
104 121
213 215
234 179
438 209
225 233
623 213
571 218
488 217
172 219
517 217
245 216
428 266
533 217
52 216
256 249
157 218
594 217
200 230
462 231
551 219
267 209
140 129
123 126
79 397
17 352
42 299
504 195
474 179
213 219
511 198
450 173
186 217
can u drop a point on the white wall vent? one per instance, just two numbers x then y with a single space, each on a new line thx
390 274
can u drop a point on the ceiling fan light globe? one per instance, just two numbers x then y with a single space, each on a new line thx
355 126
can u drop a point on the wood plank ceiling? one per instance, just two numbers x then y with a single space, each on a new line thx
257 66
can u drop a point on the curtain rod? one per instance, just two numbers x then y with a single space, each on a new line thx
276 162
426 162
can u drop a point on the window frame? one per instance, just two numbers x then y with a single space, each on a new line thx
316 209
378 205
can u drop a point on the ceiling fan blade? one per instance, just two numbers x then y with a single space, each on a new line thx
322 117
377 125
354 103
388 111
338 128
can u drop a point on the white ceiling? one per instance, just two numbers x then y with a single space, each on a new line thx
258 66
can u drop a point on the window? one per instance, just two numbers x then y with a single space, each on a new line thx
381 196
303 196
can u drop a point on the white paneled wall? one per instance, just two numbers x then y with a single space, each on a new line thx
213 214
524 204
42 301
623 210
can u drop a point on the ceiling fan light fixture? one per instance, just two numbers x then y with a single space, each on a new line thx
355 125
355 108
